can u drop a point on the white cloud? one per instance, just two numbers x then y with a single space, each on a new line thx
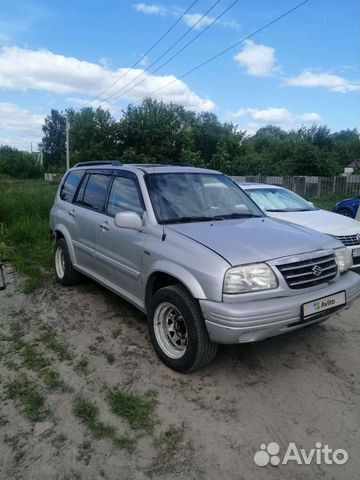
335 83
145 61
150 9
19 127
254 118
198 20
311 117
269 115
82 102
258 60
23 70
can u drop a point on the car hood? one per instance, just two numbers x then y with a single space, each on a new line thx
254 239
321 221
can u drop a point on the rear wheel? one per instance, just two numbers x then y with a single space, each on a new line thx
64 271
177 330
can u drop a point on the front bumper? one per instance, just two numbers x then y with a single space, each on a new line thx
251 321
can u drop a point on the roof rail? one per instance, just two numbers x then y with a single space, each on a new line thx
174 164
116 163
179 164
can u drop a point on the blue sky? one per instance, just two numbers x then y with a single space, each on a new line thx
60 54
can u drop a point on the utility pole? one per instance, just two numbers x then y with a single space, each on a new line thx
40 158
67 129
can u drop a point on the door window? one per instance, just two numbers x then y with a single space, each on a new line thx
124 197
93 191
70 185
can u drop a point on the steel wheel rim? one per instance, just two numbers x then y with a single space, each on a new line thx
60 262
170 330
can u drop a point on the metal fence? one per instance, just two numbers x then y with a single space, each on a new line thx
312 187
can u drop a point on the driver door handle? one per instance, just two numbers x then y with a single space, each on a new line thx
72 213
105 226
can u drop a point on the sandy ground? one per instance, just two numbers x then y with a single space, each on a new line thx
301 387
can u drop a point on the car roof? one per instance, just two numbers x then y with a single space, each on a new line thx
141 167
249 185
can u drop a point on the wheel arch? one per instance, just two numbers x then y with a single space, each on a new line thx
60 231
163 276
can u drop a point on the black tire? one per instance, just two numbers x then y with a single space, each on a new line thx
70 275
199 350
346 213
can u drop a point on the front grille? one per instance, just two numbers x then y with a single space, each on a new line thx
302 273
349 240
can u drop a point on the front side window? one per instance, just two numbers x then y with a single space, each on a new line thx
279 200
190 197
93 191
124 197
70 185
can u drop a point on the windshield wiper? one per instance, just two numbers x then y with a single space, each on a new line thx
289 211
240 215
191 219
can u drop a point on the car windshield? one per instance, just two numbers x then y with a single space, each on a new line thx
279 200
196 197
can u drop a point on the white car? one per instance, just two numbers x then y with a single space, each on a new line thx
278 202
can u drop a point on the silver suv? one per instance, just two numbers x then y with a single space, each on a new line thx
189 248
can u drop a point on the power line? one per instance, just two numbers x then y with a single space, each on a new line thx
164 53
175 54
222 52
147 52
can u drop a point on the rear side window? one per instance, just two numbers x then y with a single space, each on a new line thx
124 197
70 185
93 191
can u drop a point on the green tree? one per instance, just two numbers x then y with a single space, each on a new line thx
18 164
93 136
54 140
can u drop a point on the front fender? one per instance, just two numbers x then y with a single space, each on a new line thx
181 274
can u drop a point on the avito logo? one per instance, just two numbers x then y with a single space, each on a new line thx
270 454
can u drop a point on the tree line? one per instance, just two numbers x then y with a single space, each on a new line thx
155 132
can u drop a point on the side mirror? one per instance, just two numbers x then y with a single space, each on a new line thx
311 204
128 220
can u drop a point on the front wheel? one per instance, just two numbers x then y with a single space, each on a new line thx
177 330
345 212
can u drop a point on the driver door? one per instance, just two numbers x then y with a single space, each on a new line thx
119 251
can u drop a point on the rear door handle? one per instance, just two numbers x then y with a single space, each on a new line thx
105 226
72 213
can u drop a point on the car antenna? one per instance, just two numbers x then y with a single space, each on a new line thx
163 234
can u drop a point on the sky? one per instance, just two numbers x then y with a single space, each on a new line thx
302 70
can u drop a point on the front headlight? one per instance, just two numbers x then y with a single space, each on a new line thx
249 278
343 259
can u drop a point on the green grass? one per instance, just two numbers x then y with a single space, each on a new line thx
88 413
33 359
82 366
167 445
24 227
139 412
53 380
328 202
110 358
169 441
31 400
48 336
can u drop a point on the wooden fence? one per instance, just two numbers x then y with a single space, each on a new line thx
312 187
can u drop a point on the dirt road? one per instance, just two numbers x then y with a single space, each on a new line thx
302 388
